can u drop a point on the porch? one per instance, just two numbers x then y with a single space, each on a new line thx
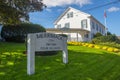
74 34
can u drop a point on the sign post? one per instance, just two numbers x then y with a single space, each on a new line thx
44 42
30 54
65 52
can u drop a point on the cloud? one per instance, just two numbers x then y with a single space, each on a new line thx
60 10
54 3
113 9
49 10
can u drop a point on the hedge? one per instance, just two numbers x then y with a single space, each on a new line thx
109 38
17 33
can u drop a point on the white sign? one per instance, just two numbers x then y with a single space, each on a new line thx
44 42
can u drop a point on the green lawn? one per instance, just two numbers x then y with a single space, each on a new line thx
84 64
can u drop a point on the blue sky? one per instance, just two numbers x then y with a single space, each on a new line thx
54 9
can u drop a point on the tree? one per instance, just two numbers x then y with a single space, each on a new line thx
11 11
109 33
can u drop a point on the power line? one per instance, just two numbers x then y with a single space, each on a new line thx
102 5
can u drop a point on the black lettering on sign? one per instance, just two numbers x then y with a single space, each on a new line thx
51 44
43 48
49 35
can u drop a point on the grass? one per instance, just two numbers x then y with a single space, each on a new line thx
84 64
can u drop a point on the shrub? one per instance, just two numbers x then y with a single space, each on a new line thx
104 47
86 44
102 39
18 33
97 47
91 45
97 35
111 44
79 43
116 50
110 49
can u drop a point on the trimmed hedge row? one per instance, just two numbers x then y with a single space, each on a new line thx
111 49
17 33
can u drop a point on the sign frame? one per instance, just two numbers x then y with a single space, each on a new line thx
32 39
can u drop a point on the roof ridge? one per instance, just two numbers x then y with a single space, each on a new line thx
67 10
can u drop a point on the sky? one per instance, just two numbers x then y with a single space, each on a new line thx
96 8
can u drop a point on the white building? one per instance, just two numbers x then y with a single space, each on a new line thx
78 25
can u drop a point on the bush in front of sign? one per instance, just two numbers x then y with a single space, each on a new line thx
17 33
46 53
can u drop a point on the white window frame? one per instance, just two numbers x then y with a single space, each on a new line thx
70 15
93 25
59 26
67 25
84 23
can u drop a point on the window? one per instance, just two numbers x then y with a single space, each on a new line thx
69 37
92 35
67 25
97 27
101 30
93 25
86 35
59 26
84 23
70 14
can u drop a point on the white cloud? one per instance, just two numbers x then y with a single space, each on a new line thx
113 9
49 10
59 10
54 3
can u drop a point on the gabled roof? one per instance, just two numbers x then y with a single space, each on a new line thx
67 11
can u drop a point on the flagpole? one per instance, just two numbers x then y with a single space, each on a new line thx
105 22
105 26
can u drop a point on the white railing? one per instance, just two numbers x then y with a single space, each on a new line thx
74 39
